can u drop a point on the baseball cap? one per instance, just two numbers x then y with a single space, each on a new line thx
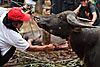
16 14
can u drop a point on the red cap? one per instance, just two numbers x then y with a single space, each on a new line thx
16 14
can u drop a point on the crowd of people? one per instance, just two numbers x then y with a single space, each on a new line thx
12 20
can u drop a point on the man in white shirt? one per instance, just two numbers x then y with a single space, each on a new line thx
10 39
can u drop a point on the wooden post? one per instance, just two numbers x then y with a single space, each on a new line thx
46 38
38 7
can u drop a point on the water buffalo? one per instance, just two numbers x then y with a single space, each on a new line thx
83 38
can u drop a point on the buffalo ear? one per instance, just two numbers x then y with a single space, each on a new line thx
73 20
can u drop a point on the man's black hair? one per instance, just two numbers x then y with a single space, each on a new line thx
8 23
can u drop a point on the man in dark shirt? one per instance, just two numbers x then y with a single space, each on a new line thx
87 10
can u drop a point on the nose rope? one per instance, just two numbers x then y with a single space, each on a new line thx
35 38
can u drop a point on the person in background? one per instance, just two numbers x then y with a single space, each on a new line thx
1 2
59 6
43 3
87 10
97 4
30 4
10 39
47 7
92 1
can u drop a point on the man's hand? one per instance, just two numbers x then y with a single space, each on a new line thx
29 12
91 23
50 47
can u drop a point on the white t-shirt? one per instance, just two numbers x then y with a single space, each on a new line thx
9 38
2 10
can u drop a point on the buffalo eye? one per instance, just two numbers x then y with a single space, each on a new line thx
59 27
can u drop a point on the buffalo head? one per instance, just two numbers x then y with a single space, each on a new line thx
62 24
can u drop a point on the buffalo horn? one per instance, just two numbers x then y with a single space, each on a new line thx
75 22
83 19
